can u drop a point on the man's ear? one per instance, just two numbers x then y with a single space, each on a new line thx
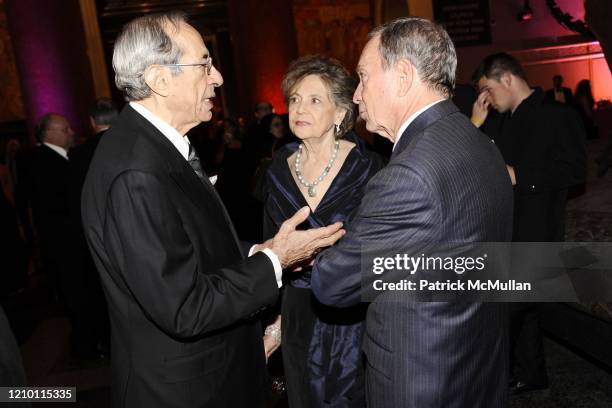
506 79
405 76
158 79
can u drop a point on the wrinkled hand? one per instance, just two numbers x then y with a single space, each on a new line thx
292 246
480 109
308 262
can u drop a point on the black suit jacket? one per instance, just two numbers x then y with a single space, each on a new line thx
80 159
445 183
179 290
544 141
47 190
569 96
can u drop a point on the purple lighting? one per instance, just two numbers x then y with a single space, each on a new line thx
50 53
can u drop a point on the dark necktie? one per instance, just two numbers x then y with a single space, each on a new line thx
194 162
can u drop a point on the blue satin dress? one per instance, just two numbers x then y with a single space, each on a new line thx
321 345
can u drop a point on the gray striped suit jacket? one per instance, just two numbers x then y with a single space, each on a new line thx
445 182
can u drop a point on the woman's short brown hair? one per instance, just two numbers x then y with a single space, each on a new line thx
337 79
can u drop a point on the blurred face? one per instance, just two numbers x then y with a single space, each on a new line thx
59 132
262 110
276 127
499 93
374 91
191 91
312 112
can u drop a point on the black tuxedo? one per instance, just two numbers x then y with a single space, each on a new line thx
567 93
178 288
46 180
49 188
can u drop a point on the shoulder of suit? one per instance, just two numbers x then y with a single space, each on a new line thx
125 148
452 138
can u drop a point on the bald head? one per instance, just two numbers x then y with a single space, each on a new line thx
54 128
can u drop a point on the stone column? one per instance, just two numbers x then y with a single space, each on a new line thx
50 52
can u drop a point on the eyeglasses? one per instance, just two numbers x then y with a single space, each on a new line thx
207 63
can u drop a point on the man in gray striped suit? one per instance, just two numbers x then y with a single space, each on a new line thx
446 182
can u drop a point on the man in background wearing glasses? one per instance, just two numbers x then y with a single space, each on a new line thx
181 292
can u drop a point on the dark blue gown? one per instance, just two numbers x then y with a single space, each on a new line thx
320 345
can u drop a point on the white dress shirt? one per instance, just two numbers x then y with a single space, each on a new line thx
182 145
412 117
57 149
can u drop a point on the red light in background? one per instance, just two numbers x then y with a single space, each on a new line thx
574 62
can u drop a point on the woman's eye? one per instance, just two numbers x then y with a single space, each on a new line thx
315 100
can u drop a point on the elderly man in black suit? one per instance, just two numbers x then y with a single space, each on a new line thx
46 181
445 183
181 293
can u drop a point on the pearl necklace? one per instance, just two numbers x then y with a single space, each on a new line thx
311 186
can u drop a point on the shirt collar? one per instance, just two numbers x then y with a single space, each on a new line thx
412 117
179 141
59 150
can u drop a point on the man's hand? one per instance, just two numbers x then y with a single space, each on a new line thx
291 246
480 110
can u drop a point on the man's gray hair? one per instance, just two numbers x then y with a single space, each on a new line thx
425 44
144 42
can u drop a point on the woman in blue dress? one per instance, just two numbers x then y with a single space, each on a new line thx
326 170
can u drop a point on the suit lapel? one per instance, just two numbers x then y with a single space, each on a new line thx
196 185
422 122
201 193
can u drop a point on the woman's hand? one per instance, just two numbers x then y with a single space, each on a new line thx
270 345
272 337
